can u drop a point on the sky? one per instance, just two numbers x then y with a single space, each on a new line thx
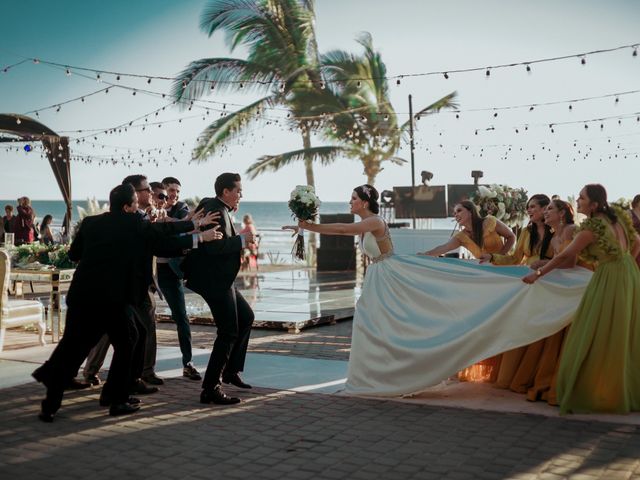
161 37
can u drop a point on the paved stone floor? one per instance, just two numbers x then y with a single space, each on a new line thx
297 435
284 434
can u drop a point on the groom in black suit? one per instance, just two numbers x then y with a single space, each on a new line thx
211 271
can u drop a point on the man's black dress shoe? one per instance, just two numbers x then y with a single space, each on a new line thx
77 385
39 376
105 401
218 397
141 389
93 379
152 379
234 379
123 409
45 415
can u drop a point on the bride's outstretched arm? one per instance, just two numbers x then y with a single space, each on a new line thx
371 224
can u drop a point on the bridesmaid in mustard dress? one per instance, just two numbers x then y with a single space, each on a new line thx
518 366
479 235
599 364
560 217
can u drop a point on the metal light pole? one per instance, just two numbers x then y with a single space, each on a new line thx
413 166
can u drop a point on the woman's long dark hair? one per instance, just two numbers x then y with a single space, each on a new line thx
597 194
542 200
569 217
477 222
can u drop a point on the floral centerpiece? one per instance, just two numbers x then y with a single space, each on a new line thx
507 204
304 205
37 253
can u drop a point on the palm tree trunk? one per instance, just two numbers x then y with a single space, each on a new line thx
308 168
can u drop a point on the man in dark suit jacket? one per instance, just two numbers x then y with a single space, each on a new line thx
211 271
108 281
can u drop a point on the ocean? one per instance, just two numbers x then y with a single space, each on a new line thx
268 217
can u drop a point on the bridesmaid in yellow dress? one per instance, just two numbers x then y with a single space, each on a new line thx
599 364
479 235
518 366
560 217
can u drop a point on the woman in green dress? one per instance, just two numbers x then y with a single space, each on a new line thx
599 366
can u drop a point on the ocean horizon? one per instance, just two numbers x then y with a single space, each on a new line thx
268 216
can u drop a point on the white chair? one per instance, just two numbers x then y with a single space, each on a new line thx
16 313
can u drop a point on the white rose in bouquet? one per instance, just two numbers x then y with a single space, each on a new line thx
304 204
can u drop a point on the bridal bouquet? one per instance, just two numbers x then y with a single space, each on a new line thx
304 205
507 204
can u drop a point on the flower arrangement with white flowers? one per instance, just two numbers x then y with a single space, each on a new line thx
304 205
507 204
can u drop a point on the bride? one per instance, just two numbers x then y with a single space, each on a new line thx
420 320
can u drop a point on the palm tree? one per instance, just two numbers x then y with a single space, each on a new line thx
359 119
282 60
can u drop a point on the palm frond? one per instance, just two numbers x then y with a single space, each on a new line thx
229 128
448 101
397 160
224 74
325 155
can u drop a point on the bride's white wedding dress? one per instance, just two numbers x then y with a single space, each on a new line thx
420 320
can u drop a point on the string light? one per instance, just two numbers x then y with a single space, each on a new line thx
526 63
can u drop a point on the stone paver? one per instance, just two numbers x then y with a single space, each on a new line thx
274 435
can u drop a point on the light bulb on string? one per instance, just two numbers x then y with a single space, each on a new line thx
583 61
528 68
98 78
487 73
67 72
446 76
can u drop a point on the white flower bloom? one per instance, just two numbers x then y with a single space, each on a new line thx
485 192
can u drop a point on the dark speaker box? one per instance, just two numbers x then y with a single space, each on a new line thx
331 259
336 241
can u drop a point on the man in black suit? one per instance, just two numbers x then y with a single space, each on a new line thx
145 308
108 281
210 271
170 280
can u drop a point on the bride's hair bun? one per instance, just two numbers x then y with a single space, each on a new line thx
368 193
